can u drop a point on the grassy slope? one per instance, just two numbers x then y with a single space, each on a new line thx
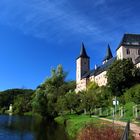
128 113
75 123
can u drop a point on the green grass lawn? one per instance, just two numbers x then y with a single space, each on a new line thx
74 123
128 113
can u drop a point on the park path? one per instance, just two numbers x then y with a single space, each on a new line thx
133 127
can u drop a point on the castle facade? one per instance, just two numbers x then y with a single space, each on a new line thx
129 47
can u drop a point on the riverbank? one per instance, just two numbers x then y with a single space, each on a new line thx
75 123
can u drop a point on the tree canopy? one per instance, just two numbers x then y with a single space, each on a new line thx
133 94
121 75
7 97
48 94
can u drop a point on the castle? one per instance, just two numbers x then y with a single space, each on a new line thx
129 47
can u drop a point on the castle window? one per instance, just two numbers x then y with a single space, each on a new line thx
138 51
127 51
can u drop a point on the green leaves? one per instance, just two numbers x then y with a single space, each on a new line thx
133 94
48 100
22 104
18 97
39 102
120 75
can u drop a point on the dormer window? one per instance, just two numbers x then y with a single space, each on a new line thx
127 51
138 51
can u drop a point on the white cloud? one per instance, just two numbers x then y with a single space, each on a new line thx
52 18
44 18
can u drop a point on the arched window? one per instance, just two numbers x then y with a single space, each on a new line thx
127 51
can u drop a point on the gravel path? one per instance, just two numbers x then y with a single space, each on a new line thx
133 127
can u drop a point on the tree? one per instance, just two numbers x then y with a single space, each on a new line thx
61 105
92 86
96 97
88 101
103 97
133 94
89 98
39 103
120 76
136 74
73 101
22 104
12 96
48 94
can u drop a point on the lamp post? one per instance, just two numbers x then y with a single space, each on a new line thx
115 103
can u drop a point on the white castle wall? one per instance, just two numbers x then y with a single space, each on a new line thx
101 79
81 85
122 52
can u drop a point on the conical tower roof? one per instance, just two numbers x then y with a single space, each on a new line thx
83 53
108 54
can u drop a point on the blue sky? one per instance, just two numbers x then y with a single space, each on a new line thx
37 35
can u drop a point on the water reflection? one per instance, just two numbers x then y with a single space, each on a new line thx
29 128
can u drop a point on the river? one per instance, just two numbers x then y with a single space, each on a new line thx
30 128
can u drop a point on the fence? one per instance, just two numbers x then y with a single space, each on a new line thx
121 112
126 132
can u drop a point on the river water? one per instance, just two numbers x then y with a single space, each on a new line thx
29 128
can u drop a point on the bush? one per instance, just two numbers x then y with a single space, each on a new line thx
132 94
92 132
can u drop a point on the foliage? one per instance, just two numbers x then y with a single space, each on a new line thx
8 97
133 94
61 105
92 86
88 101
104 97
121 75
96 97
136 75
73 101
48 99
39 103
128 110
22 103
74 123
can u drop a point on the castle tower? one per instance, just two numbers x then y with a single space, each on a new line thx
108 55
82 64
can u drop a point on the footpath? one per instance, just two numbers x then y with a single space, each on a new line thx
133 127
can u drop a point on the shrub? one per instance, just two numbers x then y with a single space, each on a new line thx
92 132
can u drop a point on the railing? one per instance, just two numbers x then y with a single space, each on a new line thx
126 132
